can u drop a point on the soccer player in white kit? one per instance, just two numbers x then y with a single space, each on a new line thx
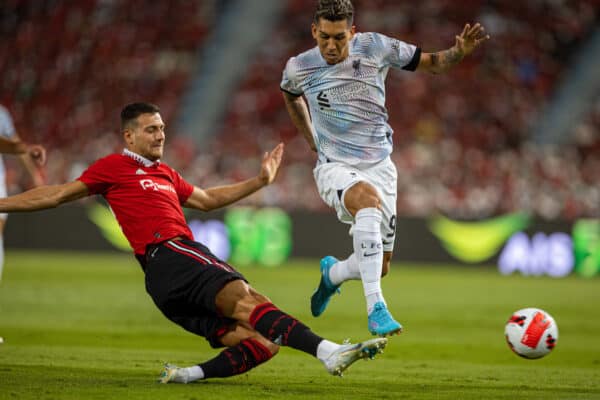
342 82
31 156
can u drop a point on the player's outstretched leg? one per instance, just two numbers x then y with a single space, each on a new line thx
235 360
336 362
320 298
279 329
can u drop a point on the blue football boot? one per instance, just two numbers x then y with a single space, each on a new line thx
381 322
326 289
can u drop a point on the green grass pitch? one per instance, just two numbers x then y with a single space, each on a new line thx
80 326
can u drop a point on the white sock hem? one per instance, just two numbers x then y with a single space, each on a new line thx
325 348
194 373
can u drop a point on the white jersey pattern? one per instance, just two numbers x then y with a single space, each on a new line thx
7 130
347 100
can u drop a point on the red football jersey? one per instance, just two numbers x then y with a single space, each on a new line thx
145 197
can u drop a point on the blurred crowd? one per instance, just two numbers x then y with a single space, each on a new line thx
461 139
69 66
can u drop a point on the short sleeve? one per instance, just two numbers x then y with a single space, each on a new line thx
397 53
183 188
7 128
98 177
289 80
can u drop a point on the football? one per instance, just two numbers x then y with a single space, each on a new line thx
531 333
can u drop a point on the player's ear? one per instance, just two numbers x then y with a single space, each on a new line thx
313 29
128 135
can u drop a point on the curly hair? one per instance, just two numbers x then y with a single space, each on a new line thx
335 10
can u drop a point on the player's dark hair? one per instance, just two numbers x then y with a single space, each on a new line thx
131 111
335 10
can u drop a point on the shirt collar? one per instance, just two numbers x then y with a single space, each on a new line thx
142 160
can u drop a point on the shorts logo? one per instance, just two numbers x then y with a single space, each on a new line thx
149 184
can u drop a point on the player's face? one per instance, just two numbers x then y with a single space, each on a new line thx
147 136
333 38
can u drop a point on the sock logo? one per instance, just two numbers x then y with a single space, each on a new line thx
370 249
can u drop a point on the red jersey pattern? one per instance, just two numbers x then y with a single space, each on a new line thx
146 200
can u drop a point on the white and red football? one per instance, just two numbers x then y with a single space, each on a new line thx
531 333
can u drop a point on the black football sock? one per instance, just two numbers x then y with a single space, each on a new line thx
283 329
236 360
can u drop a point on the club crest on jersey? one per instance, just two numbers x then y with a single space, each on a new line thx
356 67
149 184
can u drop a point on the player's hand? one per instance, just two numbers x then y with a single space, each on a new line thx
270 164
470 38
37 154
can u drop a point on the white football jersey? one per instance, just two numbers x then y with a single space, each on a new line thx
347 100
7 130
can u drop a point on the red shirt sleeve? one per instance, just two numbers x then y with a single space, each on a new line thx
98 177
183 188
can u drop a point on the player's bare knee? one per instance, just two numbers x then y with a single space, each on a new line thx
369 201
260 298
245 305
367 196
361 195
237 300
272 347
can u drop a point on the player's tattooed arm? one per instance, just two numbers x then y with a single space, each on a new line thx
441 61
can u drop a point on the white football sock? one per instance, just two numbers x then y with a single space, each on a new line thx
369 253
344 270
325 348
189 374
195 373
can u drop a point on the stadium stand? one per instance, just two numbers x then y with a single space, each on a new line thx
68 67
461 139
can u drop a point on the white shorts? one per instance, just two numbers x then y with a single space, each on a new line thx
334 178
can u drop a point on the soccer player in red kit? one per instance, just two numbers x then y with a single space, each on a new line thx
191 286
